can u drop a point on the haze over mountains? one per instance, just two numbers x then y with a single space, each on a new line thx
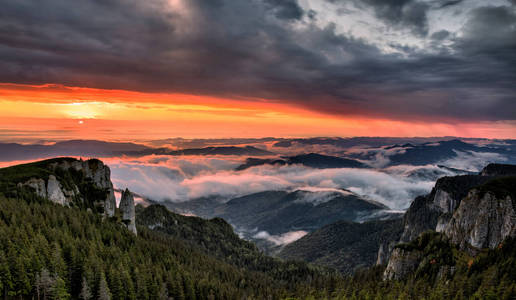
207 178
274 191
229 168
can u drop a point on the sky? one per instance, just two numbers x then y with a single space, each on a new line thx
135 70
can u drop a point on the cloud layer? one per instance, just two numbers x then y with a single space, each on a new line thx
182 179
291 51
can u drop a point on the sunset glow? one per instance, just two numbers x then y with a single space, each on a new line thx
86 113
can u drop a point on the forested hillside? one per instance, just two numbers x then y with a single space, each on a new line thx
58 252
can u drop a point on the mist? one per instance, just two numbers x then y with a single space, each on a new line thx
185 178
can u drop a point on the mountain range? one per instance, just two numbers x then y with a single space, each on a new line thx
343 153
94 148
312 160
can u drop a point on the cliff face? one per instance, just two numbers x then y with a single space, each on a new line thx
483 220
432 212
401 264
128 211
99 174
473 212
67 181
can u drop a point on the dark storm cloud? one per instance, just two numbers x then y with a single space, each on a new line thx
444 4
263 49
440 35
286 9
404 13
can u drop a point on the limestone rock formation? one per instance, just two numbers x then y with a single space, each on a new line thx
433 211
384 253
99 174
69 180
472 211
128 211
401 264
38 185
483 220
55 192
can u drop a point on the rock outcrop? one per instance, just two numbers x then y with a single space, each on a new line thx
433 211
128 211
38 185
55 192
483 220
100 174
401 264
384 253
70 180
499 170
473 212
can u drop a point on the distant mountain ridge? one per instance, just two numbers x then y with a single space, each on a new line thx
87 148
312 160
219 150
94 148
434 152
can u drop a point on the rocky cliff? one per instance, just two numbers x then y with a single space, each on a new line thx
402 263
484 219
430 253
432 211
127 210
67 181
473 212
70 182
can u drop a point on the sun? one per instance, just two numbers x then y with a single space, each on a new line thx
81 110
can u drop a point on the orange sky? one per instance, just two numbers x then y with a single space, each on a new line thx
55 112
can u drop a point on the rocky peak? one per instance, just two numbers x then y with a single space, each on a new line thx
498 170
100 175
485 218
67 181
433 211
128 211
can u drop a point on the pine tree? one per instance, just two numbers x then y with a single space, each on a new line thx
44 284
163 293
103 291
117 291
59 291
85 290
6 283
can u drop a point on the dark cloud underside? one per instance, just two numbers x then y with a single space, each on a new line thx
265 49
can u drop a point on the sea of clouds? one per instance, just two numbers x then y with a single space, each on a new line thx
166 178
